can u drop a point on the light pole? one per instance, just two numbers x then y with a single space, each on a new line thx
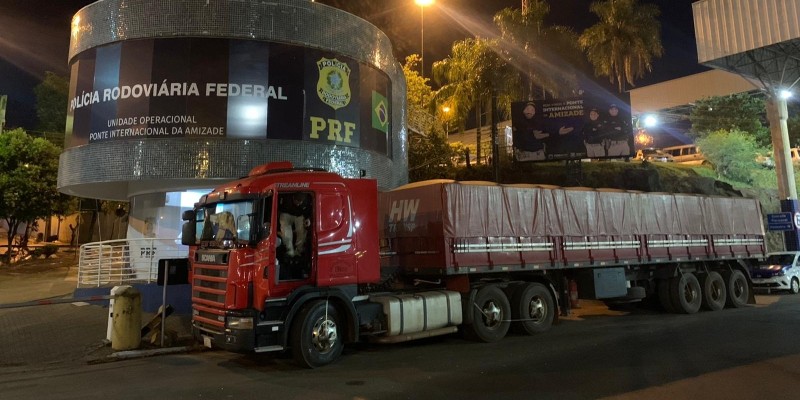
446 111
422 4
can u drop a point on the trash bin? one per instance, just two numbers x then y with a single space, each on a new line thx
126 329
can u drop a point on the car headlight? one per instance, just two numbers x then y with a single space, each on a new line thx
239 323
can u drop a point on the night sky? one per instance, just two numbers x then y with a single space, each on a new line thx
34 38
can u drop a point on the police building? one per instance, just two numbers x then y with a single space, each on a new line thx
167 99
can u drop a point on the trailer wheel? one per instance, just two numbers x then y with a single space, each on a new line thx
738 289
490 315
686 294
664 296
532 308
714 291
315 337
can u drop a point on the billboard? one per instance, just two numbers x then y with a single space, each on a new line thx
572 128
217 88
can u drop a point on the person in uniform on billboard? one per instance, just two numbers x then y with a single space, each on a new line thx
529 135
618 131
594 135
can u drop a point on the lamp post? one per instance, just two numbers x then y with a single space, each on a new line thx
446 111
422 4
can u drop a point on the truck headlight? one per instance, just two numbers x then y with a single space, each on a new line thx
240 323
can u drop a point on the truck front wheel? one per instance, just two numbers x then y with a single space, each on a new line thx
315 337
490 315
532 308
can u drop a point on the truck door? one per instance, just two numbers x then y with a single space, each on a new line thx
336 242
295 251
279 271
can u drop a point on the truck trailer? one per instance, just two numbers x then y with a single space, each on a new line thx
432 258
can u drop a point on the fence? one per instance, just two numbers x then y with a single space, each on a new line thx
124 261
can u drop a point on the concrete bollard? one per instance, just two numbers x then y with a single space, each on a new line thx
126 330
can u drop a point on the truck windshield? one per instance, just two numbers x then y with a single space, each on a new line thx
227 223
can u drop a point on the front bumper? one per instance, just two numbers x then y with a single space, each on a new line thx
234 340
773 283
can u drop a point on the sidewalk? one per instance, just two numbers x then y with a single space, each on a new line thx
48 336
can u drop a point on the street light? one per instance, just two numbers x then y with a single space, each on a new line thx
446 111
422 4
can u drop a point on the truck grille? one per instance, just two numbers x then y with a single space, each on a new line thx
208 320
208 296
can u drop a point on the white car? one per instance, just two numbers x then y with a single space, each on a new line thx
779 271
653 155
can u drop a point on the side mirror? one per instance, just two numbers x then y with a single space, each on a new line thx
189 233
188 215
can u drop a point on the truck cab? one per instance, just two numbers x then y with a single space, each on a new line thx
255 266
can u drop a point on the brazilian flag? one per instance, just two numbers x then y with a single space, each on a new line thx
380 112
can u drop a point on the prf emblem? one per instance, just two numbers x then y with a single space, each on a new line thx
333 86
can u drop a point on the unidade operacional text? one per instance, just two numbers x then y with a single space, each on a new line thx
147 126
176 89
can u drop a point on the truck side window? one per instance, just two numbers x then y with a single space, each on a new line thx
332 207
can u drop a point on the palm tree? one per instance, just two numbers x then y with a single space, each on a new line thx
470 75
623 44
544 54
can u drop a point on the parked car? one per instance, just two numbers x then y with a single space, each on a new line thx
779 271
687 154
653 155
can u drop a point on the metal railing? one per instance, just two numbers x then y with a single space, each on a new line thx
125 261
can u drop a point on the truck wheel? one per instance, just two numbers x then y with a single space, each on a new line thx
714 291
664 296
686 294
490 315
794 286
738 289
533 308
315 337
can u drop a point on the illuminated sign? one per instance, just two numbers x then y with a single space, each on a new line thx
213 88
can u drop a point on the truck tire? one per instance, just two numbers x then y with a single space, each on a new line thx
490 315
714 291
315 338
532 308
738 289
664 296
686 294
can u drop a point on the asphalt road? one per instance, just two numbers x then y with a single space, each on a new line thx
744 353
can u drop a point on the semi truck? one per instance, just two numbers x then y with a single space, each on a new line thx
437 257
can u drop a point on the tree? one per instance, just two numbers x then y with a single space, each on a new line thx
430 156
543 53
51 103
740 112
470 76
623 44
28 170
733 154
418 93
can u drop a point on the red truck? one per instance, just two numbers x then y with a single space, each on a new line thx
434 257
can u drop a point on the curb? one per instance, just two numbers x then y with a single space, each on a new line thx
135 354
